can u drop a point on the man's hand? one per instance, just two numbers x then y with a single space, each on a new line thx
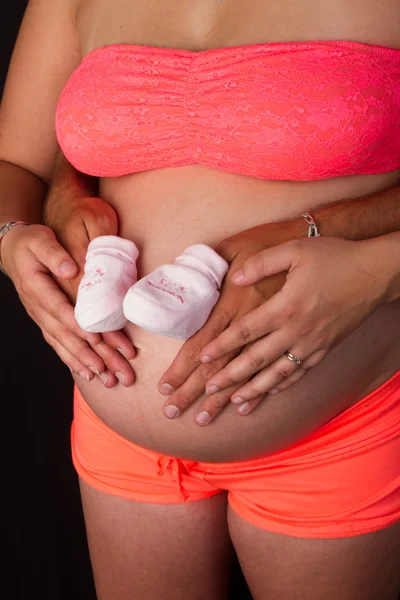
185 380
76 222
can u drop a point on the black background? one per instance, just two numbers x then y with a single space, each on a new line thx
42 534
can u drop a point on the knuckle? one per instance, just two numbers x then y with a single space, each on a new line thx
289 314
321 340
182 400
108 220
42 235
259 262
104 351
253 389
40 231
245 333
282 374
305 329
208 370
85 355
257 360
226 310
228 378
80 345
75 345
289 309
95 342
72 221
193 352
52 249
216 403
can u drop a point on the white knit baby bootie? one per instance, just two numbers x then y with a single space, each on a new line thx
110 270
175 300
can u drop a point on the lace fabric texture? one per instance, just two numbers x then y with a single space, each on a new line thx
288 111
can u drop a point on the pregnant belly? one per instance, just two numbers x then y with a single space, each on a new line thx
164 211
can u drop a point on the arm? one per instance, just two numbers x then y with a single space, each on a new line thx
16 185
352 219
361 218
45 54
76 215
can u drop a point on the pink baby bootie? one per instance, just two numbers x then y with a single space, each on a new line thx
176 299
110 270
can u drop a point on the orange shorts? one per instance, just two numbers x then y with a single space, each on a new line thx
343 480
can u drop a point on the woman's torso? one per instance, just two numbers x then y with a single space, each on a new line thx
165 210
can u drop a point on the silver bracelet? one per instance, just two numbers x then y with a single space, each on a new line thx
5 229
312 229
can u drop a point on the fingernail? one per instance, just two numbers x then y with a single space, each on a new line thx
244 408
104 377
213 389
94 370
171 411
84 375
203 417
273 392
122 351
237 400
67 268
166 390
206 358
120 377
238 276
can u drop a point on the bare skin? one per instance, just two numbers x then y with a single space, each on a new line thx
230 203
173 196
168 194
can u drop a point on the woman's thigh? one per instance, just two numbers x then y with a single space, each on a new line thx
149 551
280 567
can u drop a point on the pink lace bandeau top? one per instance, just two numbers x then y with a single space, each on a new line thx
290 111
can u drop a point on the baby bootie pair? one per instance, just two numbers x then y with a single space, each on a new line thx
174 300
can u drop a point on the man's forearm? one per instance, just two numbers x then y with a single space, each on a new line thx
22 195
67 185
361 218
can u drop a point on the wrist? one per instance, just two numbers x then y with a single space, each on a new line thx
5 230
279 232
294 229
384 253
255 239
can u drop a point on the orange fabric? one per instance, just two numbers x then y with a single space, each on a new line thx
295 111
342 480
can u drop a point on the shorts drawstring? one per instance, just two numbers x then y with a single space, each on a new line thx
177 468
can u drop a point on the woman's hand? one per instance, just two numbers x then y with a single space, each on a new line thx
76 222
33 259
331 288
186 378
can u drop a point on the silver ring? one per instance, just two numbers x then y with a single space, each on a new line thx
293 358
